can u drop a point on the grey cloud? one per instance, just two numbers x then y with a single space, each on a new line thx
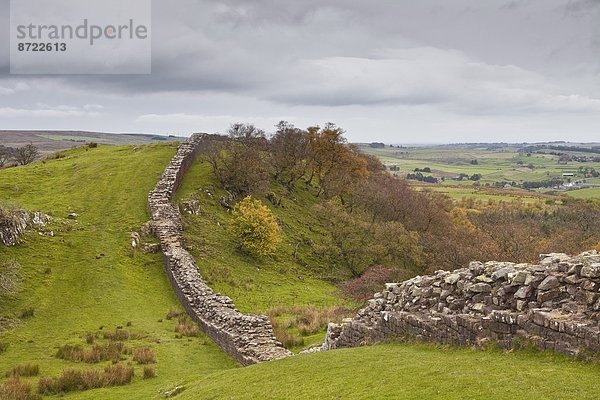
457 59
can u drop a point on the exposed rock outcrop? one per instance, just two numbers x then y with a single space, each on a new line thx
14 222
552 305
248 338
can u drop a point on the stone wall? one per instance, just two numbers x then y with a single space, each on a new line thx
247 338
552 305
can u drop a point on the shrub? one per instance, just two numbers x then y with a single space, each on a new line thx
149 372
92 145
24 370
306 320
185 327
371 281
287 339
256 227
26 154
144 355
15 389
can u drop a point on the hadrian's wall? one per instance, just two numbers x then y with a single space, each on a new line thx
247 338
553 305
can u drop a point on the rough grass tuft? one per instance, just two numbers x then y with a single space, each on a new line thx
306 320
144 355
73 379
26 313
149 373
185 327
110 351
175 313
16 389
27 369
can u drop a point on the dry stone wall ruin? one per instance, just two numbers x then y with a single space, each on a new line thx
247 338
554 305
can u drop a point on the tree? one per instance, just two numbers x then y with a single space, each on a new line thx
5 156
325 146
247 134
356 242
26 154
288 148
9 277
336 166
256 227
240 168
350 168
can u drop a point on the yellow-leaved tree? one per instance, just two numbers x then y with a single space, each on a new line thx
256 227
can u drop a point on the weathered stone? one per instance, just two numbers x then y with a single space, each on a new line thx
596 306
480 288
524 292
550 282
484 279
591 270
544 296
452 279
519 278
587 284
535 279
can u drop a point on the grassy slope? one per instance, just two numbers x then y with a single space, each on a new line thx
107 186
258 285
396 371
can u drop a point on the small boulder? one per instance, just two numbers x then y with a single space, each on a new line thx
591 270
550 282
480 288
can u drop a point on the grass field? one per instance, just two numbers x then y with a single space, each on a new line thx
85 278
397 371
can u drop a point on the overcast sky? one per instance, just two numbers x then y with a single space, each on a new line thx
398 71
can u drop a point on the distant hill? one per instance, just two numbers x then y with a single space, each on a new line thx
50 141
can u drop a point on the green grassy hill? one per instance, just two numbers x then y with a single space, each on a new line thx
86 281
86 277
292 281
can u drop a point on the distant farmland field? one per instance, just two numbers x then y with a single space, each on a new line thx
506 168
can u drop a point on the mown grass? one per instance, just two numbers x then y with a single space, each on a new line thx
85 279
397 371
